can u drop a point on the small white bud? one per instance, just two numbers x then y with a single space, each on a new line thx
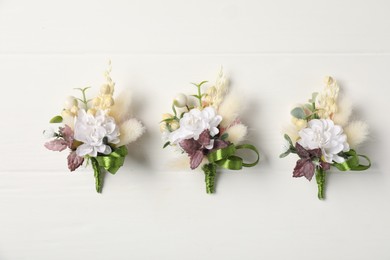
180 100
49 133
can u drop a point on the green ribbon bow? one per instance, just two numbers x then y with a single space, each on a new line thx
111 163
350 164
226 158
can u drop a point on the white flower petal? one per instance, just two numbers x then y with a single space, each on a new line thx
324 134
92 130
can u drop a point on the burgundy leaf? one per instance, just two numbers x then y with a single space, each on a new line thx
304 167
190 146
67 134
315 153
74 161
196 159
302 152
325 166
57 145
219 144
204 138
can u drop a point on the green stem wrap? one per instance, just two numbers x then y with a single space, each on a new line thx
320 178
98 175
226 158
210 171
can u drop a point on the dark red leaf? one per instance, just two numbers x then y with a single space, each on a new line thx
57 145
196 159
302 152
74 161
204 138
325 166
219 144
315 153
190 146
67 134
304 167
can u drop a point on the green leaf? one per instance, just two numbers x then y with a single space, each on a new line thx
166 144
298 112
285 154
168 120
174 109
288 139
56 119
224 136
200 84
309 107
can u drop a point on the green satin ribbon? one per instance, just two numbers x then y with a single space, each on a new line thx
352 163
111 162
226 158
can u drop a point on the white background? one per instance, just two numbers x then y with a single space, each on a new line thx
276 54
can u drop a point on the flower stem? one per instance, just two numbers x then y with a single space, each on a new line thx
320 178
210 172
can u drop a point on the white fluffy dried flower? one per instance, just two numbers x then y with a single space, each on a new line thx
230 109
130 130
237 133
357 132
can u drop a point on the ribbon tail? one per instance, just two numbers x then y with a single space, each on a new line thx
98 175
210 172
320 178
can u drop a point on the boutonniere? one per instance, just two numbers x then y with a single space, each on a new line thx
206 127
323 137
95 131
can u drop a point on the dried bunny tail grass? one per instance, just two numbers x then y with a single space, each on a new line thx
230 109
120 111
130 130
292 132
357 132
237 133
344 112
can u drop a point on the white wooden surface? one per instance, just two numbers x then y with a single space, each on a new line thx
275 52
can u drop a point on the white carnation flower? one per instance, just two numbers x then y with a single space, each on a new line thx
194 122
95 132
324 134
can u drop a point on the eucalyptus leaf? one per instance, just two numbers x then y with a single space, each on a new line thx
288 139
310 107
224 136
285 154
298 112
56 119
